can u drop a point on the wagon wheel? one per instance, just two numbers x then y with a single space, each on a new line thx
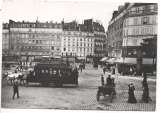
98 95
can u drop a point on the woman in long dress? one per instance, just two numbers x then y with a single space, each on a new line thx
131 97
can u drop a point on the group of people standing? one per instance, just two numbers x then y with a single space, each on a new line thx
131 88
81 66
109 80
145 95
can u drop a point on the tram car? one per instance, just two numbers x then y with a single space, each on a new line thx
55 72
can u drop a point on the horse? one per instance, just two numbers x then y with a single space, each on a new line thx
12 77
22 77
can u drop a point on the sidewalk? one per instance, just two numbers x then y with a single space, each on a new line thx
153 79
100 71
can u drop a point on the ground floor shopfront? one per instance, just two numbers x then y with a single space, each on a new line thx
133 66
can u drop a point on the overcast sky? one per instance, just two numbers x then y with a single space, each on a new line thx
52 10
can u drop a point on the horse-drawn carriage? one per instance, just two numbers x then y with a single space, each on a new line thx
107 89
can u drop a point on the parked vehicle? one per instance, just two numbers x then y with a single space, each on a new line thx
106 90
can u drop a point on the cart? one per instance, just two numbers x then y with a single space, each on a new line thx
106 90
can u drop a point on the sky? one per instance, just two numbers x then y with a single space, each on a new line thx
56 11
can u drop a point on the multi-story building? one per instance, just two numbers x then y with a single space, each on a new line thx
99 38
30 40
77 43
140 23
115 31
34 39
129 26
5 39
88 38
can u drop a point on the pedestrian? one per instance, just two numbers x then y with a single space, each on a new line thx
131 97
145 95
81 67
113 70
109 80
76 74
104 70
130 71
102 80
15 89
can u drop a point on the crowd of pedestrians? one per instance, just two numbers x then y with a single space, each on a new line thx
131 88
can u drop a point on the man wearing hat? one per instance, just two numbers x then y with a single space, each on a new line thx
15 89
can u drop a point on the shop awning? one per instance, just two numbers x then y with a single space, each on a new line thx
111 60
126 60
119 60
147 61
104 59
130 60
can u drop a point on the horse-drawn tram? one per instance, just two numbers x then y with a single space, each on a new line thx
55 72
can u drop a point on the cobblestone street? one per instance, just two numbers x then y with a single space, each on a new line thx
82 97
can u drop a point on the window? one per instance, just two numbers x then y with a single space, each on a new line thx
50 71
135 21
145 20
42 71
155 7
137 10
32 41
64 49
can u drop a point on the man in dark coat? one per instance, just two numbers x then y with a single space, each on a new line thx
80 67
145 95
104 70
102 80
131 97
15 89
109 80
76 73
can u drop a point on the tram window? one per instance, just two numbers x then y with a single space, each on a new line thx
46 71
42 71
50 71
54 72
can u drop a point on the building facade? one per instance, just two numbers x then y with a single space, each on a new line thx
29 40
77 43
99 38
88 38
5 39
115 31
140 24
138 21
